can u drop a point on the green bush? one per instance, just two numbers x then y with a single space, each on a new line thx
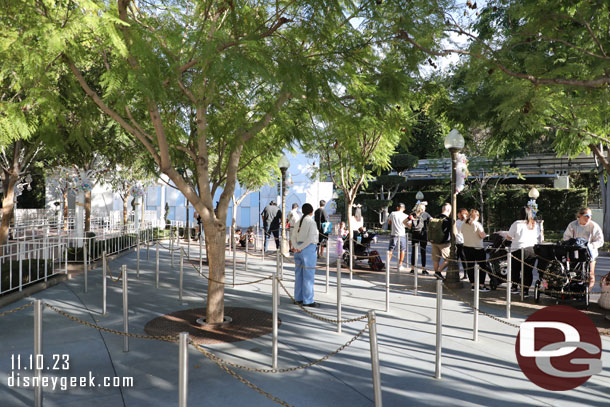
12 267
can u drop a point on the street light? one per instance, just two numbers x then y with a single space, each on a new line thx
454 142
283 163
419 196
534 194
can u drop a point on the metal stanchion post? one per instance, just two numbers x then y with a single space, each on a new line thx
275 293
234 267
125 310
246 255
397 254
387 282
183 369
38 351
171 247
338 295
415 274
180 278
66 258
439 327
328 276
85 264
374 358
522 264
509 273
200 251
416 257
157 268
104 265
328 256
406 261
138 255
477 280
188 242
147 248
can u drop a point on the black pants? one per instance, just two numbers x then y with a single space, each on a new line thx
460 255
529 258
422 239
475 256
276 234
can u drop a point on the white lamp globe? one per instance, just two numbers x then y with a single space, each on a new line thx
454 140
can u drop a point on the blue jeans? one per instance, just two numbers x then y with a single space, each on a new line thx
305 274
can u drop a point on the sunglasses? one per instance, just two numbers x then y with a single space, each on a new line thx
586 215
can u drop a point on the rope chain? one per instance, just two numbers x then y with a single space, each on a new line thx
16 309
323 319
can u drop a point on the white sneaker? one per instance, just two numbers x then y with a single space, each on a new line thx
400 268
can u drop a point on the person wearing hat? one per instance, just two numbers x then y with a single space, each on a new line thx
398 220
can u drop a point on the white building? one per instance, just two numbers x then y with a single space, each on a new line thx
300 189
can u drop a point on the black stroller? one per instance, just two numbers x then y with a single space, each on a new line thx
362 251
563 270
497 254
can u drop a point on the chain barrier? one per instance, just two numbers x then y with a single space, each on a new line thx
216 359
114 280
242 379
16 309
225 283
323 319
471 305
166 338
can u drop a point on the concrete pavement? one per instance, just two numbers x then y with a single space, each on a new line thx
484 373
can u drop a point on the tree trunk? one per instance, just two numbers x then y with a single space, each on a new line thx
87 211
8 206
384 219
125 199
64 196
604 187
350 203
215 233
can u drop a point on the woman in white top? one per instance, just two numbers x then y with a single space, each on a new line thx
473 235
304 245
524 234
585 228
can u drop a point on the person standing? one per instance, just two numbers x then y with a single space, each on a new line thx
418 224
524 233
472 238
304 242
197 217
583 227
462 215
293 219
272 218
320 217
398 220
441 250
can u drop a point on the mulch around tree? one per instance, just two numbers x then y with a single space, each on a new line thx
248 323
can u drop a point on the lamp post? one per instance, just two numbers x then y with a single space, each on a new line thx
533 194
283 163
454 142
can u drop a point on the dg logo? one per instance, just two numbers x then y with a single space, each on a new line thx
559 348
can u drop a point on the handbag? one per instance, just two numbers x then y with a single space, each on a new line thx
604 299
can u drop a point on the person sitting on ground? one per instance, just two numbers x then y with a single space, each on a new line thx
525 234
248 236
583 227
473 235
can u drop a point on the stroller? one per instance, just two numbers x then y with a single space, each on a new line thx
362 250
563 270
497 263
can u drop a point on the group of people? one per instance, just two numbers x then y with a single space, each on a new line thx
524 234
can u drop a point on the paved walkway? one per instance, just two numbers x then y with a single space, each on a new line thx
484 373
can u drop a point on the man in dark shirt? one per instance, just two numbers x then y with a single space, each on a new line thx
272 219
442 250
321 217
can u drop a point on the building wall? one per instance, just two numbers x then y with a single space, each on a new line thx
300 190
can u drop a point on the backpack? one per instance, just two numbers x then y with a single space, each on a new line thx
375 261
418 224
435 231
